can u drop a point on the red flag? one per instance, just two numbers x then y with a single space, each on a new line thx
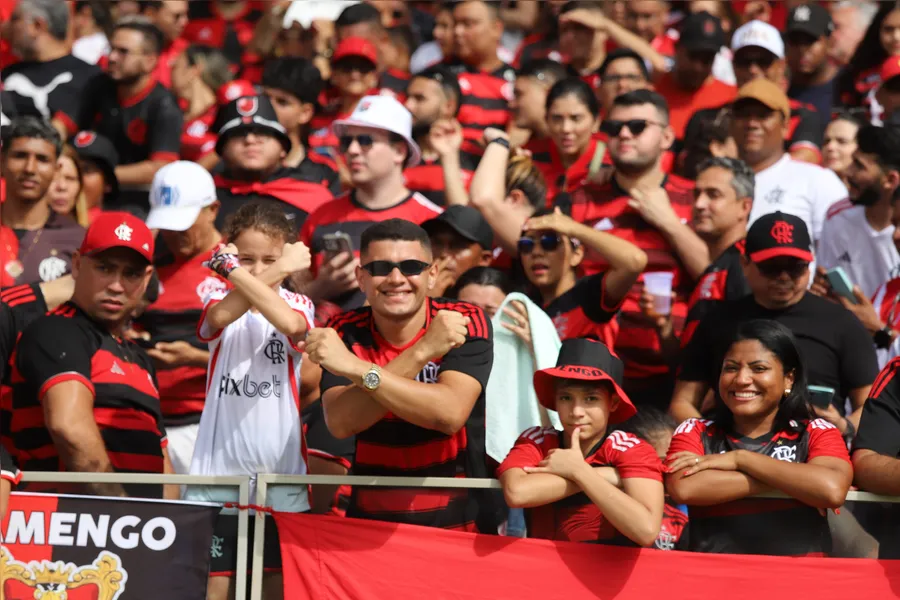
330 558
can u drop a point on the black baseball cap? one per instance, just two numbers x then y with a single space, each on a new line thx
250 113
702 31
100 150
585 360
778 234
810 18
467 222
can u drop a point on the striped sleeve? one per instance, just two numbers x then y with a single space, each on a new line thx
632 457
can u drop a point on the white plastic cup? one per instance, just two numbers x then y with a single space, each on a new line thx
659 285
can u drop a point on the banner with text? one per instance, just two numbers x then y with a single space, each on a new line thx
57 547
330 558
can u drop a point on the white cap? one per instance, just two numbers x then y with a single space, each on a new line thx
383 112
307 11
757 33
179 192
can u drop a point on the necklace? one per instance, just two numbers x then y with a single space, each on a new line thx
15 267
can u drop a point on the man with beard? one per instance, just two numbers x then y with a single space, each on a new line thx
644 205
445 172
858 234
835 346
131 109
42 242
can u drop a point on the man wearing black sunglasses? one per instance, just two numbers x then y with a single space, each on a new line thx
759 53
837 349
406 376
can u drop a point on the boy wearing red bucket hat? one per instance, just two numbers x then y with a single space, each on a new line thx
585 483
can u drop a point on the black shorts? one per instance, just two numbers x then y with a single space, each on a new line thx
223 550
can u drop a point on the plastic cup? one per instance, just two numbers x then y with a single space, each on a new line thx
659 285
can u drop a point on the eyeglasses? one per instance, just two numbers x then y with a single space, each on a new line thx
770 269
365 141
383 268
635 126
549 242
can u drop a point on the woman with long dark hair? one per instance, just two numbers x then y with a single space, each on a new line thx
862 75
763 437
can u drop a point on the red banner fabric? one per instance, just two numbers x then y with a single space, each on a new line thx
331 558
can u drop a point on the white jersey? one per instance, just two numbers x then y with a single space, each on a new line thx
251 421
869 257
797 188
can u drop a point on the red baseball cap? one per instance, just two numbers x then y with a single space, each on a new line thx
890 68
118 230
356 46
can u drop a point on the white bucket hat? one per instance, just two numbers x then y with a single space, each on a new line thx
180 190
387 114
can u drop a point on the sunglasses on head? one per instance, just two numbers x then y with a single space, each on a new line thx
383 268
365 141
774 267
549 242
635 126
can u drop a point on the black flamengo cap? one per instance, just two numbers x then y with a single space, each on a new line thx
585 360
701 31
810 18
98 149
250 113
467 222
778 234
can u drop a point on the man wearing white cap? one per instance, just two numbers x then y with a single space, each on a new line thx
183 207
376 144
759 52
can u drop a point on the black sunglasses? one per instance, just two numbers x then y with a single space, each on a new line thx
635 126
548 241
745 61
383 268
365 141
772 268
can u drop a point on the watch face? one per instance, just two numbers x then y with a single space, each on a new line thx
371 379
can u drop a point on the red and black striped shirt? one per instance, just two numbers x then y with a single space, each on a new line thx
19 306
183 287
723 280
394 447
67 345
485 98
427 177
394 82
605 208
208 27
582 312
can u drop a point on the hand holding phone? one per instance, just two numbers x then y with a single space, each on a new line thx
336 243
820 396
841 284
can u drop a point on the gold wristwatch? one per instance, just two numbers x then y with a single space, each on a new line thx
371 379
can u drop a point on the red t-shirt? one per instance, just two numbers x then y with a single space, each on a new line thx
163 71
197 138
577 519
683 103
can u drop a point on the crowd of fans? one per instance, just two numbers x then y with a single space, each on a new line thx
637 260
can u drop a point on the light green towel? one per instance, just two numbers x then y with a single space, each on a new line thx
511 405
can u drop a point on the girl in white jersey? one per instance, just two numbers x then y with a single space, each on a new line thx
251 420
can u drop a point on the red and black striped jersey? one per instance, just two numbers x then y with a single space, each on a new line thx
674 531
537 46
880 419
723 280
183 287
394 447
19 306
485 99
347 215
301 189
208 27
427 177
198 138
576 518
67 345
605 208
8 468
394 82
755 525
582 312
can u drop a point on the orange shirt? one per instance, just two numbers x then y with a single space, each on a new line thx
683 104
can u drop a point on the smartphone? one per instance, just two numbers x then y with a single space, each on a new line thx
145 344
820 396
841 283
336 243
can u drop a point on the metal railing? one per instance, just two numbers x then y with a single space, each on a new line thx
264 481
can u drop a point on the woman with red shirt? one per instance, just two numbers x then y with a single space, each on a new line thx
763 437
585 483
861 78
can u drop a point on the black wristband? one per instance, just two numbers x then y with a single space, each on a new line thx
851 431
502 141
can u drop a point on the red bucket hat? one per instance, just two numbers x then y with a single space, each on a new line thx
585 360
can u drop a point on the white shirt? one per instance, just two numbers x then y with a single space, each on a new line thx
91 48
251 421
798 188
868 257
